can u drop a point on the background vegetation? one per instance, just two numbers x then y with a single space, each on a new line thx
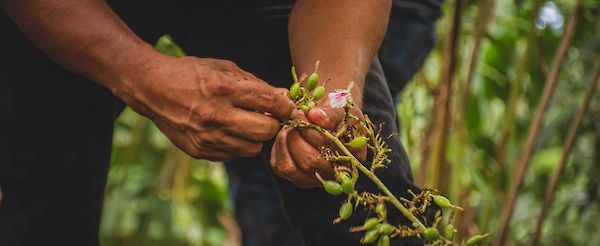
474 120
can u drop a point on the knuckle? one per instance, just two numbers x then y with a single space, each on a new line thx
220 86
267 131
265 99
209 117
228 63
287 168
253 150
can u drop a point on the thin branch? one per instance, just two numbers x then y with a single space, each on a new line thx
484 17
515 90
573 129
439 166
535 126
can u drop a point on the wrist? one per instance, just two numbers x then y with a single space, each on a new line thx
132 75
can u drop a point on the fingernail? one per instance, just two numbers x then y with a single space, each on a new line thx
321 116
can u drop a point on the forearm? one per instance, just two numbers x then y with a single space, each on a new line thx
343 35
85 36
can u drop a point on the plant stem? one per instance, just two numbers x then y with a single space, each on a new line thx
356 163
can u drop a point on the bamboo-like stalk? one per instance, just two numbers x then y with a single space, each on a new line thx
535 126
515 90
568 145
438 164
484 17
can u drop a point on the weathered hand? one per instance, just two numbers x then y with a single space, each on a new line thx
209 108
295 155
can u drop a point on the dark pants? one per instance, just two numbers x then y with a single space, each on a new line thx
409 38
56 128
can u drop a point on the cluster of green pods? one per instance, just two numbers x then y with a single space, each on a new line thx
305 97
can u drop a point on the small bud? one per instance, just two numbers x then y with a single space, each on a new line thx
442 201
431 234
358 142
318 93
384 241
295 91
381 210
341 176
370 236
450 232
370 223
332 187
303 107
386 229
312 81
346 210
348 185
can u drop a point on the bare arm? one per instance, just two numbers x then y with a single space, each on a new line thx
203 105
345 36
84 36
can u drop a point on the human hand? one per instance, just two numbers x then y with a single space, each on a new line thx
209 108
295 155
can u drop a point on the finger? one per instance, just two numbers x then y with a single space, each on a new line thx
257 96
284 166
326 117
311 135
251 125
237 147
306 156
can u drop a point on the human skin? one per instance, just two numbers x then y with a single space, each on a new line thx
344 36
202 105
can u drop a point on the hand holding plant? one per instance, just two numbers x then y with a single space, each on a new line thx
340 162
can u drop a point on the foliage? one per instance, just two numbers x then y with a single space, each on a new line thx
481 172
157 196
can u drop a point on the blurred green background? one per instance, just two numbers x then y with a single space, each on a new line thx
504 52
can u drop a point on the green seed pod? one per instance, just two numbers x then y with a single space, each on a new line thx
386 229
431 234
370 223
358 142
384 241
341 176
442 201
370 236
295 91
332 187
312 81
346 210
318 93
450 232
475 240
303 108
348 185
381 210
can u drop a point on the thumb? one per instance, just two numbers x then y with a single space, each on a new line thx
326 117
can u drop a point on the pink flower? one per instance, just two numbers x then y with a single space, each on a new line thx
338 99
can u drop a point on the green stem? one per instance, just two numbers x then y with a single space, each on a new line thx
373 177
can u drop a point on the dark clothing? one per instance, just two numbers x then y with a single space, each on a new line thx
56 126
408 40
